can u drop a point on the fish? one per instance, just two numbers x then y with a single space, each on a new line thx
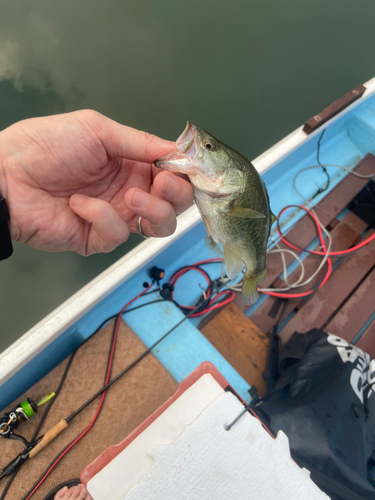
232 200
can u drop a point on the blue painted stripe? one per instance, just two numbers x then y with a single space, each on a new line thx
364 328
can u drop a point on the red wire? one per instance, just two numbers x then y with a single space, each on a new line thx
329 267
216 306
211 306
180 273
341 252
108 374
324 252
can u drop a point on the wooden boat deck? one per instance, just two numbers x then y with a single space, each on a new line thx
344 306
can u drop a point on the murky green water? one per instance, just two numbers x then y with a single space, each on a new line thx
249 71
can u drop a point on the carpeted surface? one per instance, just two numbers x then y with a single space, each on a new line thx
128 402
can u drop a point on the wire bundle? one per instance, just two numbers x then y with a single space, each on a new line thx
325 252
211 298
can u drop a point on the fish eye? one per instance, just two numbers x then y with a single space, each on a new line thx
210 144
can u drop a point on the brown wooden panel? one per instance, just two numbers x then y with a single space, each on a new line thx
333 109
344 234
241 343
323 304
367 340
354 314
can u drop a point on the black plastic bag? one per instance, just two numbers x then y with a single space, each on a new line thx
324 402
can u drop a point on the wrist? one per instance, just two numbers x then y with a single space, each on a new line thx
6 248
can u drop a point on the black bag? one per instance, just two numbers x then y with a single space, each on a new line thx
324 402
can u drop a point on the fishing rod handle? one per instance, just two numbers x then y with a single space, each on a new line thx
48 437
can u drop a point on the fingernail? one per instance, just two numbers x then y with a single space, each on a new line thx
139 199
170 185
77 199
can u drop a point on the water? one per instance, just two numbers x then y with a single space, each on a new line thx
249 71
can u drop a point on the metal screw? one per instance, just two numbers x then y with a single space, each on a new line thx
355 92
317 118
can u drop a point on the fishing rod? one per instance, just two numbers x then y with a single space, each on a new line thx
32 449
63 424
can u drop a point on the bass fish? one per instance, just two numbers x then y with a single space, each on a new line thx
232 200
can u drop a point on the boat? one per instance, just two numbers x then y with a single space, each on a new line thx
343 134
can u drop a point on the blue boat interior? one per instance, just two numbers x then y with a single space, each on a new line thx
345 142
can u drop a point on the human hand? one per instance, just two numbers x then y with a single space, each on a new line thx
79 181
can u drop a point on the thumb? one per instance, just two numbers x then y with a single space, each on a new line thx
108 230
126 142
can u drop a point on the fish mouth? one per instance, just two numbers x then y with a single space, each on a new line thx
186 142
186 150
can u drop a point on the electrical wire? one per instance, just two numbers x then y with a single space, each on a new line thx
320 189
315 252
211 299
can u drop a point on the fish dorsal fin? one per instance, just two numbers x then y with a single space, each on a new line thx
247 213
273 218
233 261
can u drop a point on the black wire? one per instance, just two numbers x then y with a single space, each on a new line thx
275 328
203 301
321 190
210 292
125 370
7 486
146 304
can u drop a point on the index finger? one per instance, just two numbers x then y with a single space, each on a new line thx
127 142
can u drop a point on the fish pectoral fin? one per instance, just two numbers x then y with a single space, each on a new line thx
212 244
233 262
247 213
273 218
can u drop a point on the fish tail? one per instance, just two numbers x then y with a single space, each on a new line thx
249 287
